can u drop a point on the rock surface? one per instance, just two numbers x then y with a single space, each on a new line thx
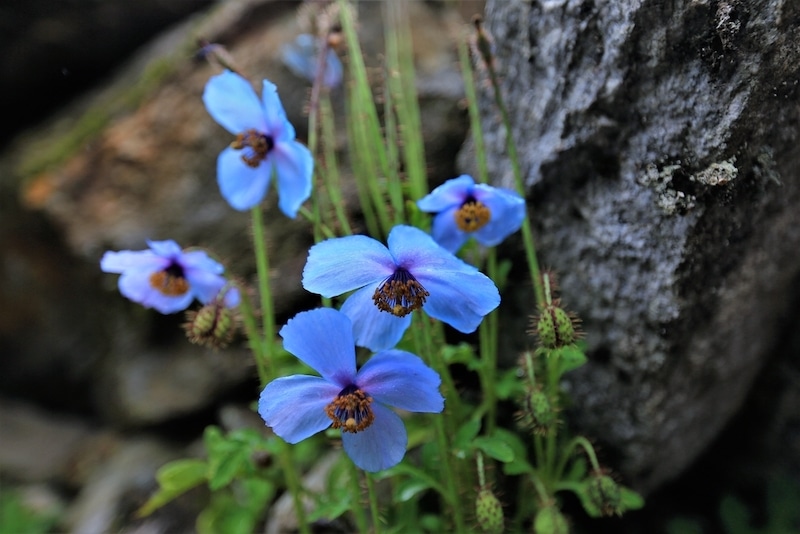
659 144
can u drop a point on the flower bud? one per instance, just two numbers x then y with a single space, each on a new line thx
213 325
550 520
604 493
537 413
489 512
556 328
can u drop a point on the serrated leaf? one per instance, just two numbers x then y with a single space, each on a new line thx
495 447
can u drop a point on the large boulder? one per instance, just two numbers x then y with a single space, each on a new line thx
658 142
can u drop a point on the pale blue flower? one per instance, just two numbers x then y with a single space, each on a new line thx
167 278
301 58
299 406
464 208
265 143
413 272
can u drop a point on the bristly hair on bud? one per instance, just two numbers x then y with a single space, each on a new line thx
489 512
215 324
537 413
553 326
605 494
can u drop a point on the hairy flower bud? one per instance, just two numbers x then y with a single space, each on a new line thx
489 512
555 328
537 413
213 325
604 493
550 520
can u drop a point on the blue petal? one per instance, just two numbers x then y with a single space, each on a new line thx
241 185
323 340
294 166
166 249
451 193
460 299
420 254
342 264
232 102
507 213
199 259
136 286
278 126
118 262
300 56
380 446
334 72
446 232
294 406
205 286
373 328
401 379
232 297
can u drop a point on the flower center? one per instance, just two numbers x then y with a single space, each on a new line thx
170 281
350 410
255 146
472 215
400 294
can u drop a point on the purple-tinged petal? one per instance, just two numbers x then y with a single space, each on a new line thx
460 299
373 328
166 249
323 339
144 260
241 185
199 259
380 446
278 126
294 406
446 232
420 254
401 379
204 285
136 286
232 297
294 166
451 193
342 264
232 102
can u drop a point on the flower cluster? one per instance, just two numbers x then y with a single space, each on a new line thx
414 271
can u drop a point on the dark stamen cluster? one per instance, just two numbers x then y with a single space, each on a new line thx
351 410
400 294
258 144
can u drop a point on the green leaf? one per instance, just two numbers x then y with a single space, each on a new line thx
629 499
495 447
174 479
519 464
510 384
461 353
569 358
466 434
410 489
223 468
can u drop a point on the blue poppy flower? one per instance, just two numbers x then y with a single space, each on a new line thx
299 406
464 208
265 143
300 56
167 278
413 272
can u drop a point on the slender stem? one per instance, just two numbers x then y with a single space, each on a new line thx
331 175
355 488
488 346
264 290
309 216
253 336
373 504
578 441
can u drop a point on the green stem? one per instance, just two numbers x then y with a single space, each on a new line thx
331 175
253 336
309 216
355 487
264 291
578 441
373 504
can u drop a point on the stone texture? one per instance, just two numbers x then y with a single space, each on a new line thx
659 144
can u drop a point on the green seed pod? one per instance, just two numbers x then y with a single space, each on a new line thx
489 512
605 494
550 520
555 328
213 325
537 412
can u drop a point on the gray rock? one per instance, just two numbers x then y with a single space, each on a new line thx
659 144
